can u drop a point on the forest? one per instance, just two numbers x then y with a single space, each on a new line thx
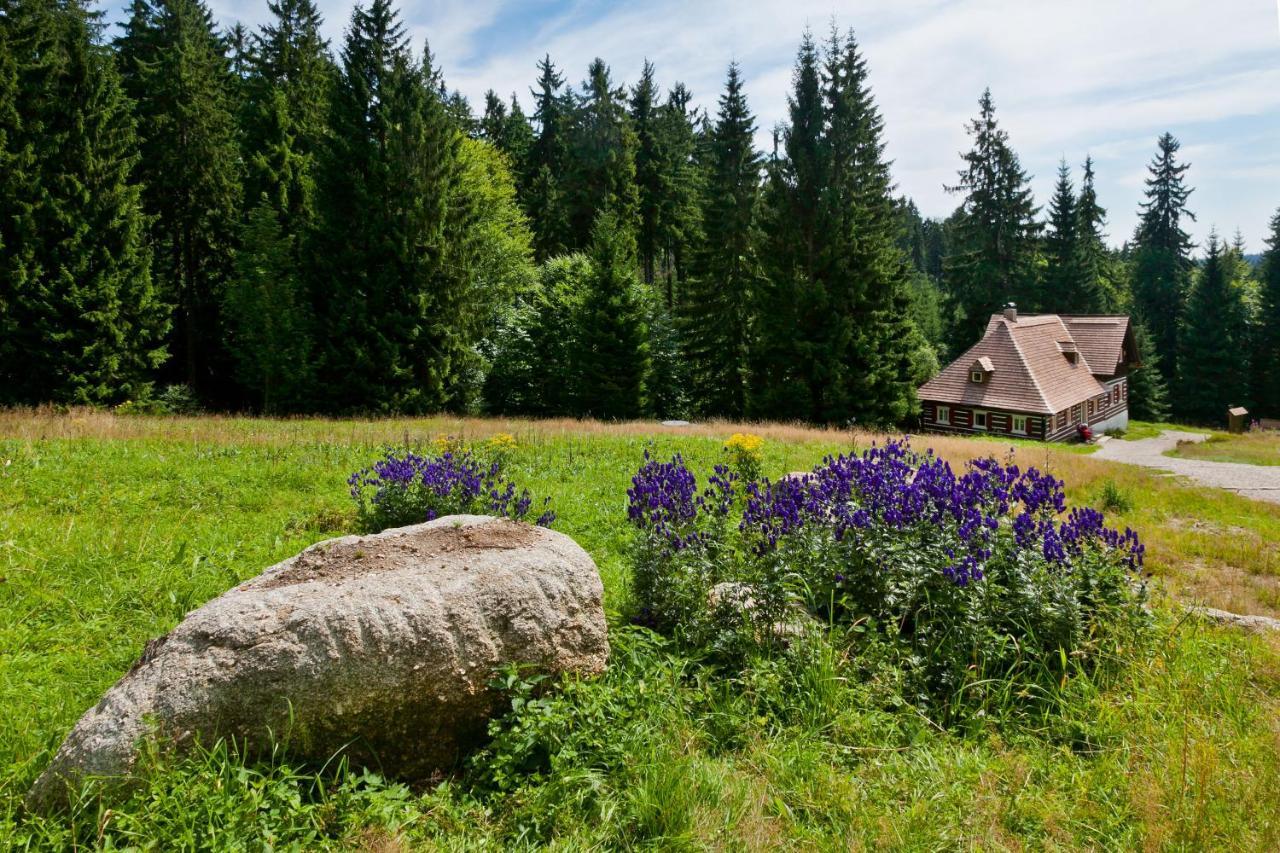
206 217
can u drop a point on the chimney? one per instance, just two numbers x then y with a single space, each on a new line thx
1011 312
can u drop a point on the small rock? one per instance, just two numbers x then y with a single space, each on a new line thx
1255 624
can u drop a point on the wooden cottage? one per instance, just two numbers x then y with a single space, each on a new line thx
1037 376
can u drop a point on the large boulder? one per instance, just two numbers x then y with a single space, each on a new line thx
380 647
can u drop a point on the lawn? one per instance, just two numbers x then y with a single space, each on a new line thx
112 528
1252 448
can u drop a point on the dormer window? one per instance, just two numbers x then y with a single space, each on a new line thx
1069 351
981 369
977 376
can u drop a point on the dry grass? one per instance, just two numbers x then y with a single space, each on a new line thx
1253 448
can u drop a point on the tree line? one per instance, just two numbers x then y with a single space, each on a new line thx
285 225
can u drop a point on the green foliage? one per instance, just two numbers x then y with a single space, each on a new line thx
1213 343
80 321
720 299
1111 498
1266 357
993 253
534 350
267 310
174 69
1058 292
837 340
1162 250
1148 393
612 349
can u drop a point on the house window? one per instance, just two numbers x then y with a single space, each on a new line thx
976 376
1115 394
979 420
1090 408
1020 424
943 416
1124 390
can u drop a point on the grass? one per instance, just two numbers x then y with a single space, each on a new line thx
1252 448
112 528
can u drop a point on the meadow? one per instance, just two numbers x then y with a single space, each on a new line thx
1251 448
112 528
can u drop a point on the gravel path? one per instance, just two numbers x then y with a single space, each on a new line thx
1260 482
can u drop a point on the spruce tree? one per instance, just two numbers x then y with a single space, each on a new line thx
1162 250
1061 277
1212 357
681 178
644 111
839 344
602 153
868 351
389 295
612 358
84 323
791 306
723 291
16 191
266 307
993 251
1148 392
1267 353
175 70
544 197
1095 289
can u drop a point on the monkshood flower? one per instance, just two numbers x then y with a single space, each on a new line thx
409 488
892 488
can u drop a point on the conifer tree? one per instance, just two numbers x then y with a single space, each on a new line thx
389 297
791 305
613 347
649 162
1267 352
869 349
84 323
1162 250
723 291
16 192
603 156
1095 290
507 130
289 94
267 312
1148 391
544 197
993 250
679 215
839 343
1212 356
175 70
1059 294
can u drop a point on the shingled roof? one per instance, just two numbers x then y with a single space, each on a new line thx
1030 369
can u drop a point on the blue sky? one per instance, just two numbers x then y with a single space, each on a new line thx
1099 77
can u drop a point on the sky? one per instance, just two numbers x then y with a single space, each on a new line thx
1086 77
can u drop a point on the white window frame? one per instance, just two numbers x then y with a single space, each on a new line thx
977 376
942 415
1019 430
986 420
